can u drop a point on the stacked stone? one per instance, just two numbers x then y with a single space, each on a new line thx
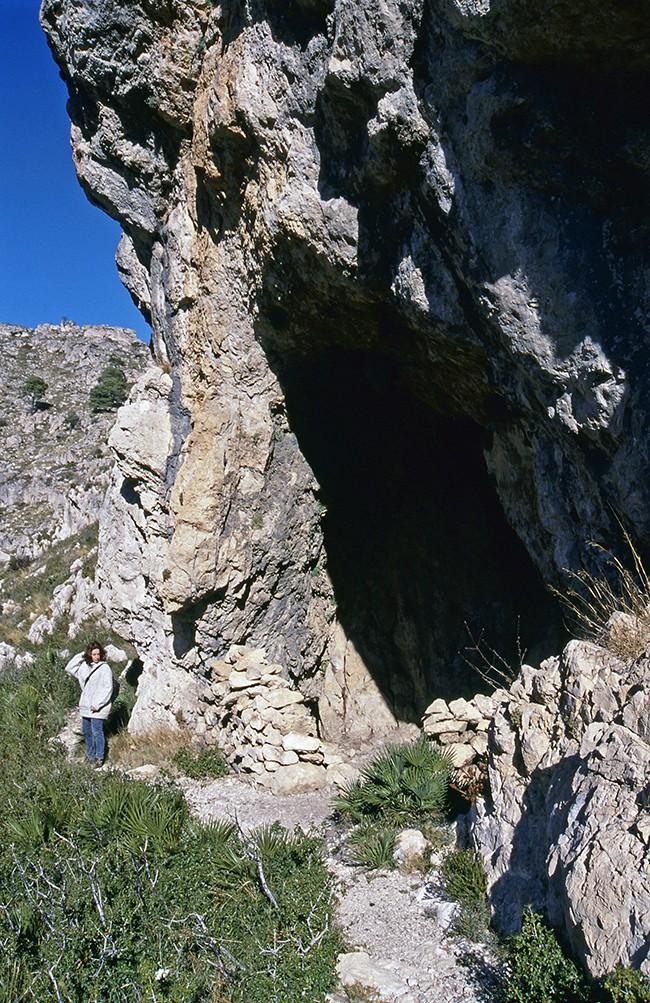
264 726
461 725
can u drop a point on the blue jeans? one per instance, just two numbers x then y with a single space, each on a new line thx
94 734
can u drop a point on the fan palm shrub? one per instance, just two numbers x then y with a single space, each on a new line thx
405 783
371 845
133 814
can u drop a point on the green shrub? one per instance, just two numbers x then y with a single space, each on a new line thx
473 923
405 782
371 845
34 388
104 921
627 985
464 878
132 815
72 420
18 562
539 972
205 763
110 391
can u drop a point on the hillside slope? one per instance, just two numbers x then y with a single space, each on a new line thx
54 458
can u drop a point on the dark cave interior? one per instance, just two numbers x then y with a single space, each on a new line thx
418 547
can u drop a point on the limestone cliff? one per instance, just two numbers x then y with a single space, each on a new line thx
393 257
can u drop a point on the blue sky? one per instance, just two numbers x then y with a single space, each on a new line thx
56 249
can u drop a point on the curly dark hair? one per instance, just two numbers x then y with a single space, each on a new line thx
91 646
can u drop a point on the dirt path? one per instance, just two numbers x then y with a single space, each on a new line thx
395 924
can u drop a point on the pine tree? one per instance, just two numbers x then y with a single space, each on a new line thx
34 389
110 391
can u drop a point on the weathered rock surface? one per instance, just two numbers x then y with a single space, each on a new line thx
370 242
567 823
410 848
385 250
54 461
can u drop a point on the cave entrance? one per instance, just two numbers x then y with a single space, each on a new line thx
417 543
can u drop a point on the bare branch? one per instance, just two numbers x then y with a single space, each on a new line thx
56 986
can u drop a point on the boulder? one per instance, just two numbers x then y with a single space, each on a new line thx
410 847
40 629
377 978
298 779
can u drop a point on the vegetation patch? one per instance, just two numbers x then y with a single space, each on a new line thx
627 985
612 609
465 881
464 876
404 784
371 844
156 748
111 389
539 971
111 892
208 763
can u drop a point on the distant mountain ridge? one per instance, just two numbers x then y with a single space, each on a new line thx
54 458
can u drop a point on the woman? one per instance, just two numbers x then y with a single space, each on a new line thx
94 676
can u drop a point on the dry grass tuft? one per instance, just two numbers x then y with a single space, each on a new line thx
612 611
358 993
156 748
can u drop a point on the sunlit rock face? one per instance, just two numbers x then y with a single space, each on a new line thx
393 258
566 828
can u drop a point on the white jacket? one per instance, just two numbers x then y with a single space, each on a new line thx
96 681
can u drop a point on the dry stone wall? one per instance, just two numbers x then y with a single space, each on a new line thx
462 725
265 727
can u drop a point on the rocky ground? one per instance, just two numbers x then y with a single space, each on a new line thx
54 457
395 923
